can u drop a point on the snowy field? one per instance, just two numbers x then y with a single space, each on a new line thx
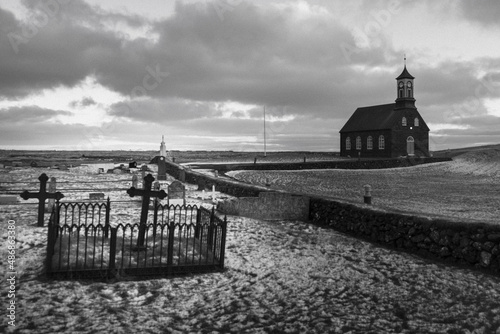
281 277
467 188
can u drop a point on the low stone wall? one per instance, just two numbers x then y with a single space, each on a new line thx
338 164
268 206
204 181
467 243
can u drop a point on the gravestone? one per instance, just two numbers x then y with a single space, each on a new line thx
96 196
135 181
52 189
162 168
201 184
176 193
182 175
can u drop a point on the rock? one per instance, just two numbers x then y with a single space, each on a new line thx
435 236
485 259
418 238
494 237
444 252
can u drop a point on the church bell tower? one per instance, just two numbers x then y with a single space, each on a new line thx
405 88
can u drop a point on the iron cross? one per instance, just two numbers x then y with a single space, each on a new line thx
42 195
146 194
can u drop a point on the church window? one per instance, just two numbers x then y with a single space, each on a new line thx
409 92
381 142
403 121
348 143
369 143
417 123
400 93
358 143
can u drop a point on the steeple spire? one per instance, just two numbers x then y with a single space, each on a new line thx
404 89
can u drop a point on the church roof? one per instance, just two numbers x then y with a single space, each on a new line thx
405 75
371 118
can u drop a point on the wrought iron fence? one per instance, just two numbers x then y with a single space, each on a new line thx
181 239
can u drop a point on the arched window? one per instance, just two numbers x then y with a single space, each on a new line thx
381 142
348 143
417 122
358 143
403 121
369 143
400 93
409 92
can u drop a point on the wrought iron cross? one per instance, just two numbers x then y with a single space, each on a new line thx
146 194
42 195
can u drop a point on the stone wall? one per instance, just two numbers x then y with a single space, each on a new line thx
269 206
468 243
230 187
339 164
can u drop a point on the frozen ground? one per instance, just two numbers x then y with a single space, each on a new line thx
281 277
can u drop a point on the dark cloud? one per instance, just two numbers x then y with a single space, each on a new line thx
485 12
84 102
29 114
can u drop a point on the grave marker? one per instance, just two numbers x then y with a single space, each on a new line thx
176 191
42 195
182 175
146 194
96 196
135 181
52 189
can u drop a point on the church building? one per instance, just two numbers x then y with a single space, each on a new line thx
387 130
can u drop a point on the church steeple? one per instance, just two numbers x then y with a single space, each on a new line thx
405 88
163 149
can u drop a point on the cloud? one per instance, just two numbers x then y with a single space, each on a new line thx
29 114
84 102
485 12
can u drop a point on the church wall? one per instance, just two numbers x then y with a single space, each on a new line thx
365 153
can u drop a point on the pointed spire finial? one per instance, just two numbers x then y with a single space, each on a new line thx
405 59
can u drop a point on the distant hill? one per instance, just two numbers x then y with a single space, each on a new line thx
459 151
482 160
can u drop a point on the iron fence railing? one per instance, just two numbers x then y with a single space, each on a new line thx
181 239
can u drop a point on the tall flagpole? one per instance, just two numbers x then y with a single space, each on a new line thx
265 151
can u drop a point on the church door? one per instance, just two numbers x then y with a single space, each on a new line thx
410 146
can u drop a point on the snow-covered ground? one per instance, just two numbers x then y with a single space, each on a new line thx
280 277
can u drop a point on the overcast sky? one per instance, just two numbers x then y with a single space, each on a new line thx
91 75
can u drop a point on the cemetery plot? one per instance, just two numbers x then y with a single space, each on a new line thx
187 239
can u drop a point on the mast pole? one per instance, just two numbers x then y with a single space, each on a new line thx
265 149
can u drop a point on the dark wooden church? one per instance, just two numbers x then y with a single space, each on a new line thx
387 130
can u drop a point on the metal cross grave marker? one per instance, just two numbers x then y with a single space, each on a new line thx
146 194
42 195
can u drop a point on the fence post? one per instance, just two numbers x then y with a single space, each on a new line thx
211 229
198 223
112 253
106 223
50 244
368 194
223 243
170 248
